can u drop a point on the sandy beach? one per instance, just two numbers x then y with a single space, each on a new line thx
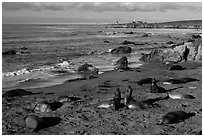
83 117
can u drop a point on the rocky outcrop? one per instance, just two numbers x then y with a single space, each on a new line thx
122 63
87 68
121 50
9 52
174 54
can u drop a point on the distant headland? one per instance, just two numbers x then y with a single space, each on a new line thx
183 24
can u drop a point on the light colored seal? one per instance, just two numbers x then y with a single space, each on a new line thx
33 122
177 95
132 103
43 106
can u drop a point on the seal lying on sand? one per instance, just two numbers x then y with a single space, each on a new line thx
155 88
132 103
145 81
43 106
175 117
179 96
179 80
33 122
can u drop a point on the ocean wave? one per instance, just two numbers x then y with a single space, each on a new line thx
57 68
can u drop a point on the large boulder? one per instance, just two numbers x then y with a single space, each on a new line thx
121 50
122 63
174 54
9 52
87 68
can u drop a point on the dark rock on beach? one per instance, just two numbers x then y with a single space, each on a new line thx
122 63
87 68
176 67
170 42
24 48
9 52
121 50
175 54
125 42
145 35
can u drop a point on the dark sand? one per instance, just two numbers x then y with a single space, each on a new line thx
81 117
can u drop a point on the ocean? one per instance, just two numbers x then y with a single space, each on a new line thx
49 54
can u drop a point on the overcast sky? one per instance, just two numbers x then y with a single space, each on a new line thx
95 12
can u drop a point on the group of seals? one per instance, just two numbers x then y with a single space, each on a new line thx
170 117
128 101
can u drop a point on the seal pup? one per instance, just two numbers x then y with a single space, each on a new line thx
155 88
43 106
175 117
130 102
33 122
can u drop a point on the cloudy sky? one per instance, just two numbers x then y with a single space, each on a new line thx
96 12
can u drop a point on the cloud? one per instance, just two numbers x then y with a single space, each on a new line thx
102 7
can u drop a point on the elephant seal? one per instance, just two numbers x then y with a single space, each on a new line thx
131 103
155 88
175 117
33 122
115 102
117 99
180 96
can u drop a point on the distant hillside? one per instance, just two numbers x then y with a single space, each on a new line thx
183 22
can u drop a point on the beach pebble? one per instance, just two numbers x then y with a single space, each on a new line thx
33 122
43 106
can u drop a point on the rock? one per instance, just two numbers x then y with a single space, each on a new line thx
106 41
43 106
145 35
24 48
122 63
191 40
128 32
33 122
170 42
9 52
88 68
175 54
121 50
195 36
176 67
16 93
125 42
